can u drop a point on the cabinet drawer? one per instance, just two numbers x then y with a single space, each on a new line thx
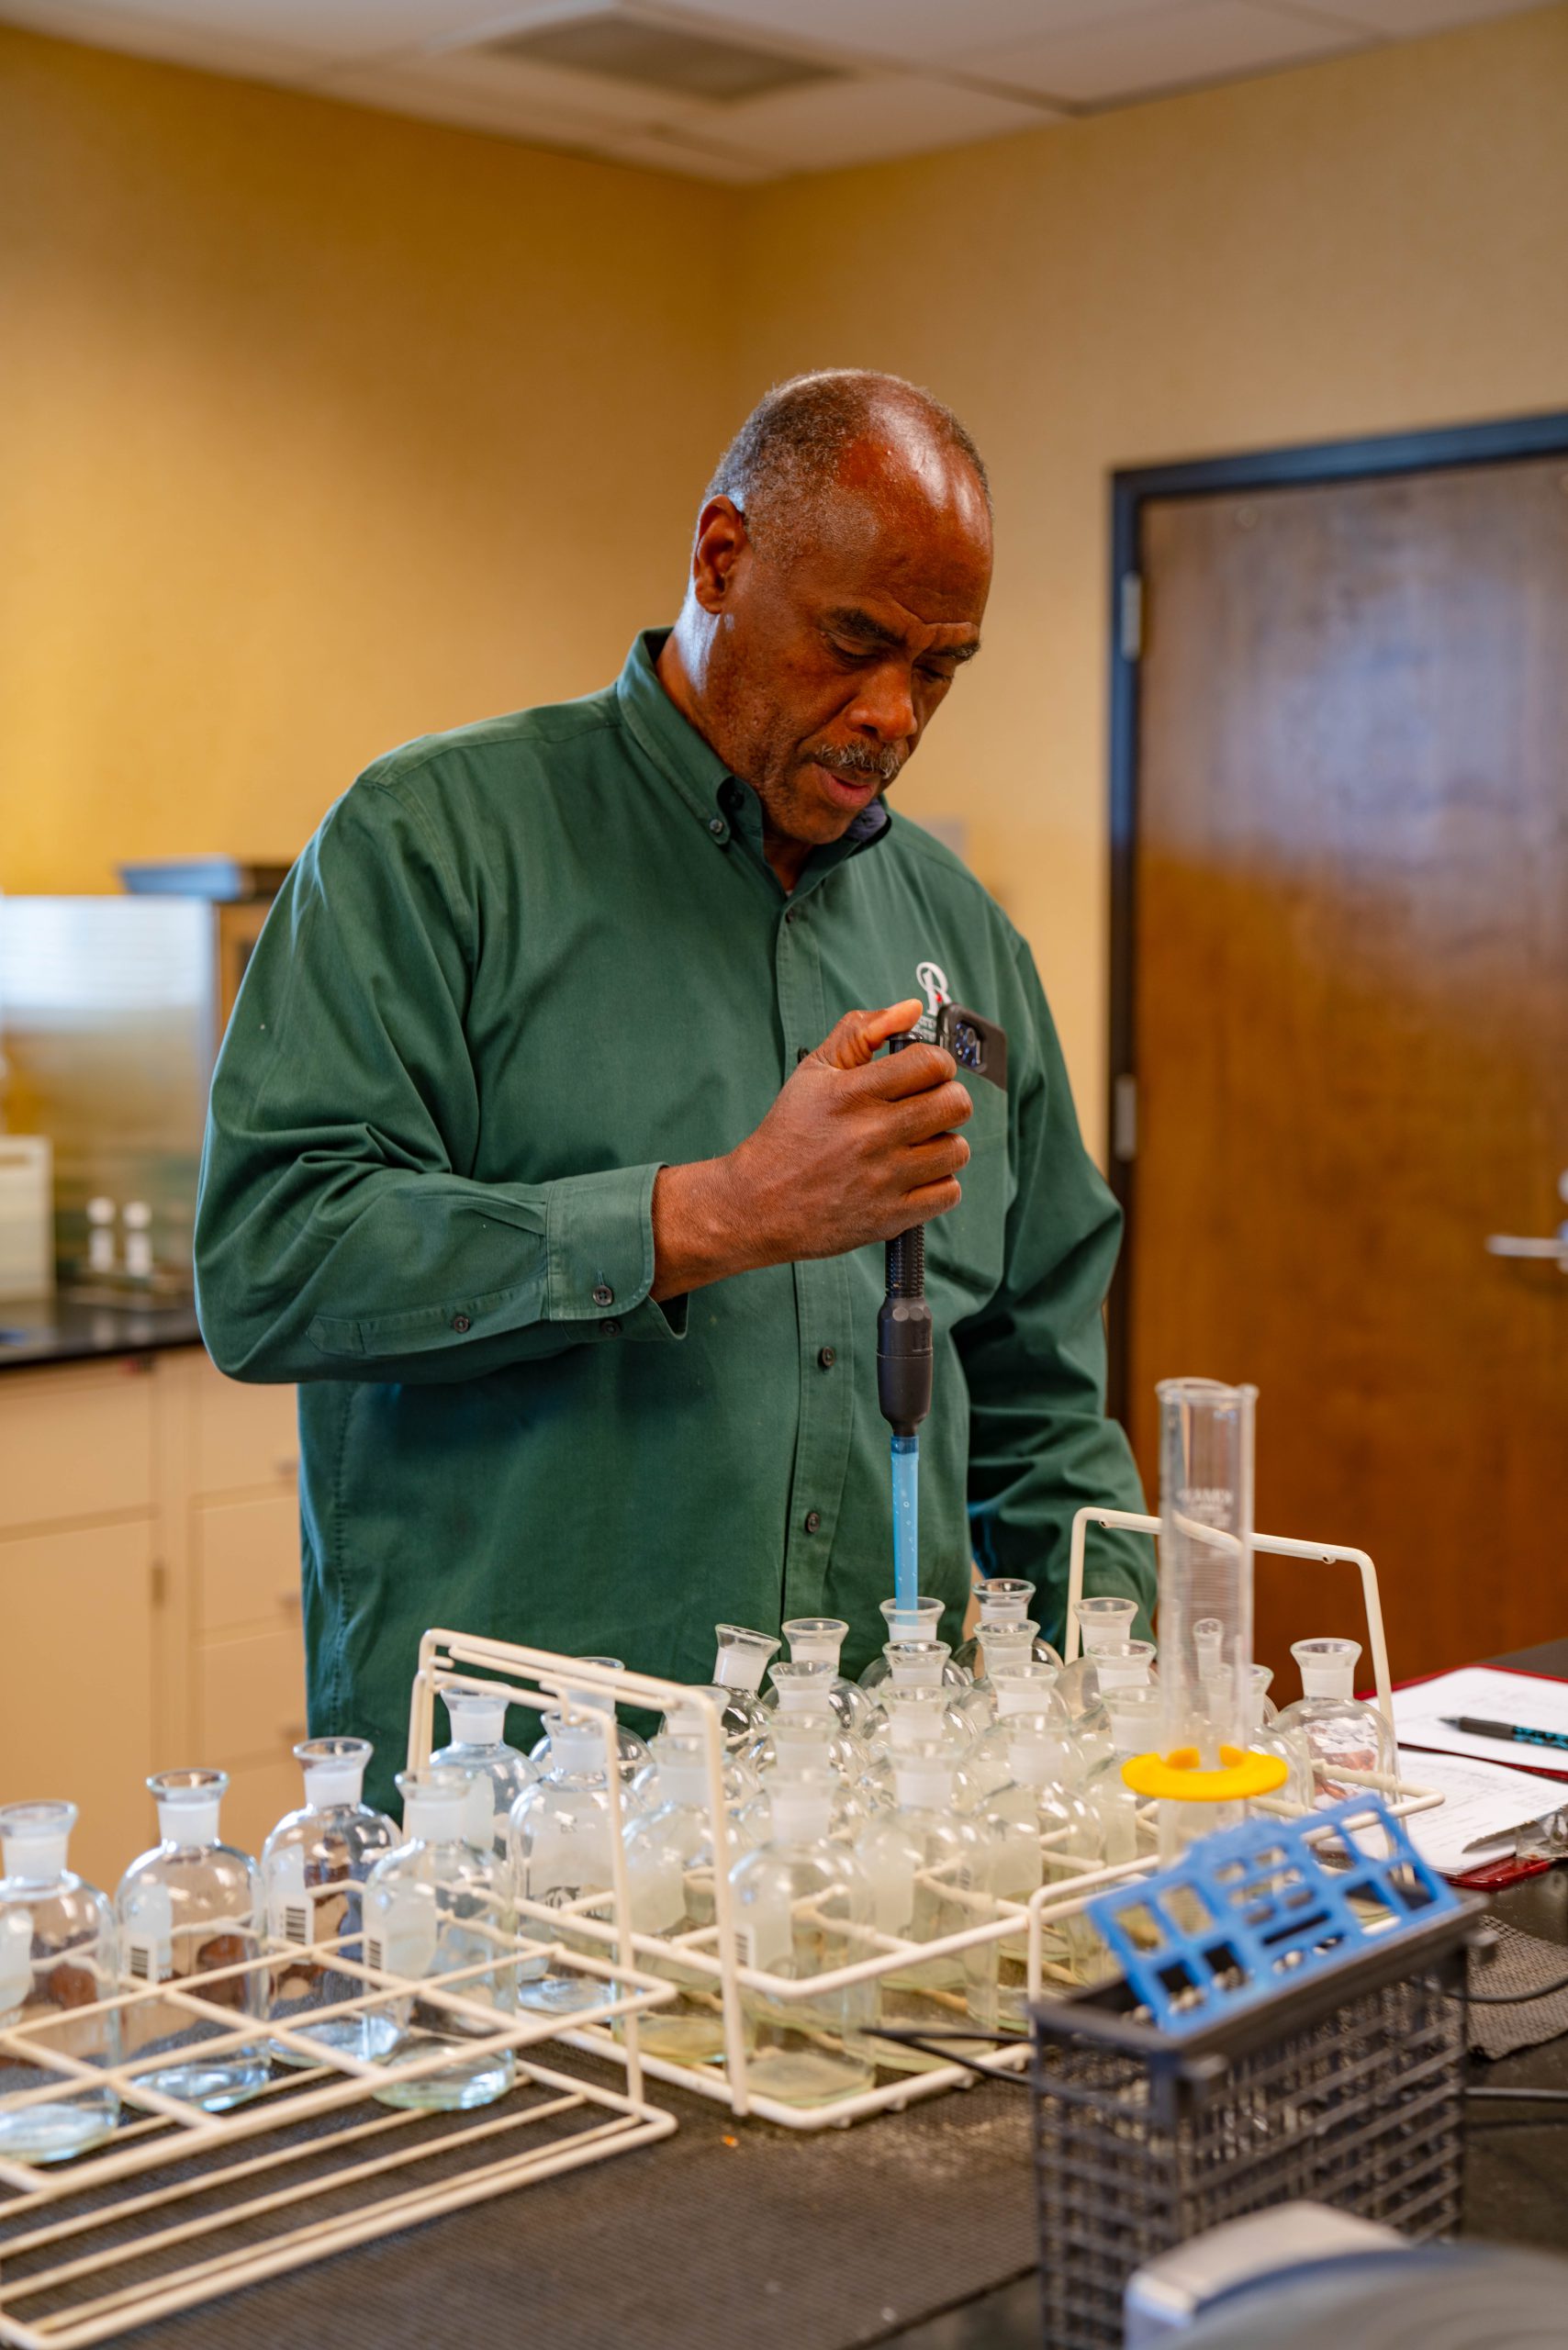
247 1563
74 1443
76 1718
249 1698
244 1436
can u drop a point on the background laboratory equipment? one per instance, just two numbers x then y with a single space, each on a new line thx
313 1866
435 1907
193 1906
57 1957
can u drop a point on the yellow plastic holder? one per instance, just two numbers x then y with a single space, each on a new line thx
1177 1777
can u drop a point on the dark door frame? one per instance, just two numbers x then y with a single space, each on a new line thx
1499 442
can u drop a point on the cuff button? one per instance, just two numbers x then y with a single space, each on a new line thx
603 1295
460 1322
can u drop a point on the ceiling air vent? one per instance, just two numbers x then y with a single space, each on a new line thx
660 57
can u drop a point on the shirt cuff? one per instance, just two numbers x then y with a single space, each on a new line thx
600 1255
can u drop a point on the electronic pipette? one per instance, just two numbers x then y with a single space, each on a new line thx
903 1325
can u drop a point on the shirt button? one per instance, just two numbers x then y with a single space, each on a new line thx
791 913
826 1357
718 827
603 1295
611 1329
460 1322
813 1520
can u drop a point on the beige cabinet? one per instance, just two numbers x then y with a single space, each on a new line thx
77 1607
149 1593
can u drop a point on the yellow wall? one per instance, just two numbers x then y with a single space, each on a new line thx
319 428
1349 247
323 428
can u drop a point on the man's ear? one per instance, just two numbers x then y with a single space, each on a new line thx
722 548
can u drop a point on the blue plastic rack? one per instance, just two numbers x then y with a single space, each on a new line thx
1256 1910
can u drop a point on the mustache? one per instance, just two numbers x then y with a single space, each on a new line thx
858 759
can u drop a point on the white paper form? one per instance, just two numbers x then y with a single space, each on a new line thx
1479 1690
1478 1799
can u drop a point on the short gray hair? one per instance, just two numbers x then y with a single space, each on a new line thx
791 444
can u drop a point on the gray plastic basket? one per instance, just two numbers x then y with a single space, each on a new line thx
1347 2090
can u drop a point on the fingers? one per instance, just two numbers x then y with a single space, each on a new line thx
941 1111
936 1161
914 1070
852 1041
924 1205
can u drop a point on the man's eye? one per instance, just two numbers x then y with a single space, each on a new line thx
937 676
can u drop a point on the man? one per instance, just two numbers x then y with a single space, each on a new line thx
528 1159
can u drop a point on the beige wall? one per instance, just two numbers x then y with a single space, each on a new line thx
319 428
307 402
1349 247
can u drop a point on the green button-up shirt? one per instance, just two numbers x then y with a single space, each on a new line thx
520 968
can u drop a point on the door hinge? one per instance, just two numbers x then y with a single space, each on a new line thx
159 1582
1131 615
1123 1118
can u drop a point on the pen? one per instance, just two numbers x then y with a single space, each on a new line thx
1518 1732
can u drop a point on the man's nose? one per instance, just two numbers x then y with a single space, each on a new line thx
885 704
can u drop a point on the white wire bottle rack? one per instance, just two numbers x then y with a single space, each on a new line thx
711 1953
181 2206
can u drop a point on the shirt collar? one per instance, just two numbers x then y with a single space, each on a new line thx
697 771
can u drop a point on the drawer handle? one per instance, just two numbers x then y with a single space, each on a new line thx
286 1464
291 1601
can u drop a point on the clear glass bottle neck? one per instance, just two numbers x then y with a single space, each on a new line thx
333 1786
188 1826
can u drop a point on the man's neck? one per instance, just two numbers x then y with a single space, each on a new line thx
787 857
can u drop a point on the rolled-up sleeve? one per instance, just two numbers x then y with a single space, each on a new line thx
340 1234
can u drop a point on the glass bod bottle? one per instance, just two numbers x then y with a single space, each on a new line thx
496 1773
801 1908
560 1849
314 1866
1341 1731
57 1957
184 1911
434 1909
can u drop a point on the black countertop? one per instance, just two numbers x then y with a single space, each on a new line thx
915 2230
65 1328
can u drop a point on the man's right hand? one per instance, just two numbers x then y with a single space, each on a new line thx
854 1150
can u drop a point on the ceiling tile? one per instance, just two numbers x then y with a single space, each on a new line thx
218 48
346 28
1200 40
903 32
1400 17
530 87
871 120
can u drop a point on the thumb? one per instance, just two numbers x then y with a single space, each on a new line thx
853 1040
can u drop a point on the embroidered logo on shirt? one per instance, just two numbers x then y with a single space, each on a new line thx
931 981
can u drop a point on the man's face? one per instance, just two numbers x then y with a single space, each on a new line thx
832 655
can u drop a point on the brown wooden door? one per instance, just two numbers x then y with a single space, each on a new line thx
1350 1008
